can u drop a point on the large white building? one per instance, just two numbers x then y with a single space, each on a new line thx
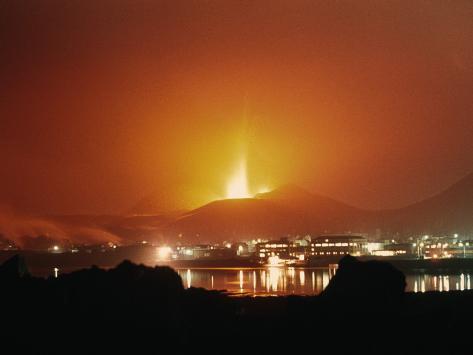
338 244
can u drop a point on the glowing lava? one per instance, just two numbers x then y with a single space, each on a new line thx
237 187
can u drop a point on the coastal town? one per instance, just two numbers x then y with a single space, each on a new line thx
298 250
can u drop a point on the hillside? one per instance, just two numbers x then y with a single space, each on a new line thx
285 211
450 211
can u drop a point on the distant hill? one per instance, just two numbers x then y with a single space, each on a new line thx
450 211
127 228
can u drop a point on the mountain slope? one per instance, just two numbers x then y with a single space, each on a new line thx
313 206
450 211
288 210
236 219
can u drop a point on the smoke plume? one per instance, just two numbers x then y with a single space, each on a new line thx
24 230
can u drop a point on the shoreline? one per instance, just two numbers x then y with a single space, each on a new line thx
80 260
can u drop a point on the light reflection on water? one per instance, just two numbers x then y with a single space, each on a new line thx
300 281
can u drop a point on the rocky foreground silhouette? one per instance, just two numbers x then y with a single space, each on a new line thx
137 309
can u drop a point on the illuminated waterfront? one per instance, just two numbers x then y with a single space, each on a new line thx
300 281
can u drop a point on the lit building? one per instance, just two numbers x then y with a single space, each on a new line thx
280 248
240 249
447 246
375 247
204 251
398 249
460 249
253 243
339 244
299 248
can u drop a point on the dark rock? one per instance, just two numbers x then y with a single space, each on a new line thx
14 268
368 284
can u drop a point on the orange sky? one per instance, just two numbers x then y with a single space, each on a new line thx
104 102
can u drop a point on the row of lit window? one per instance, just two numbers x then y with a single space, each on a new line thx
397 252
276 245
335 244
263 255
330 253
341 249
269 250
438 246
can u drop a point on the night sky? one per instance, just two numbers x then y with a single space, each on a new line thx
105 102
